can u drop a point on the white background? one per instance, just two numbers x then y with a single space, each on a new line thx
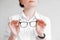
50 8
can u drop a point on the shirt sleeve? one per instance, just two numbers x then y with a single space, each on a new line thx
48 29
7 31
6 34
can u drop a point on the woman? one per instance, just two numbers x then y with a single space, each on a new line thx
29 25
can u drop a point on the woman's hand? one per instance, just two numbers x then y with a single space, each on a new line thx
40 27
15 27
39 30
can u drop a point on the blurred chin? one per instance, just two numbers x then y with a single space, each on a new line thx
32 4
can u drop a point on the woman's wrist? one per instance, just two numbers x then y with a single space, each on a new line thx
42 36
13 35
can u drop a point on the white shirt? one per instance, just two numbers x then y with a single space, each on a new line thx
29 33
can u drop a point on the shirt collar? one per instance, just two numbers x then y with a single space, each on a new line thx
26 17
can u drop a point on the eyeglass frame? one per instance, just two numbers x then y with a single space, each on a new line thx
28 23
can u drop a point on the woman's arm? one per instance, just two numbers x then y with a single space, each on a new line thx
14 27
40 29
12 37
46 30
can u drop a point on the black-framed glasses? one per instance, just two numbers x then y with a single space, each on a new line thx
25 24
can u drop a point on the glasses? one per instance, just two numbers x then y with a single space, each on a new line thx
25 24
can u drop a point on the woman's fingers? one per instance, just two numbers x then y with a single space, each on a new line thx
39 29
14 26
15 23
40 26
41 23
